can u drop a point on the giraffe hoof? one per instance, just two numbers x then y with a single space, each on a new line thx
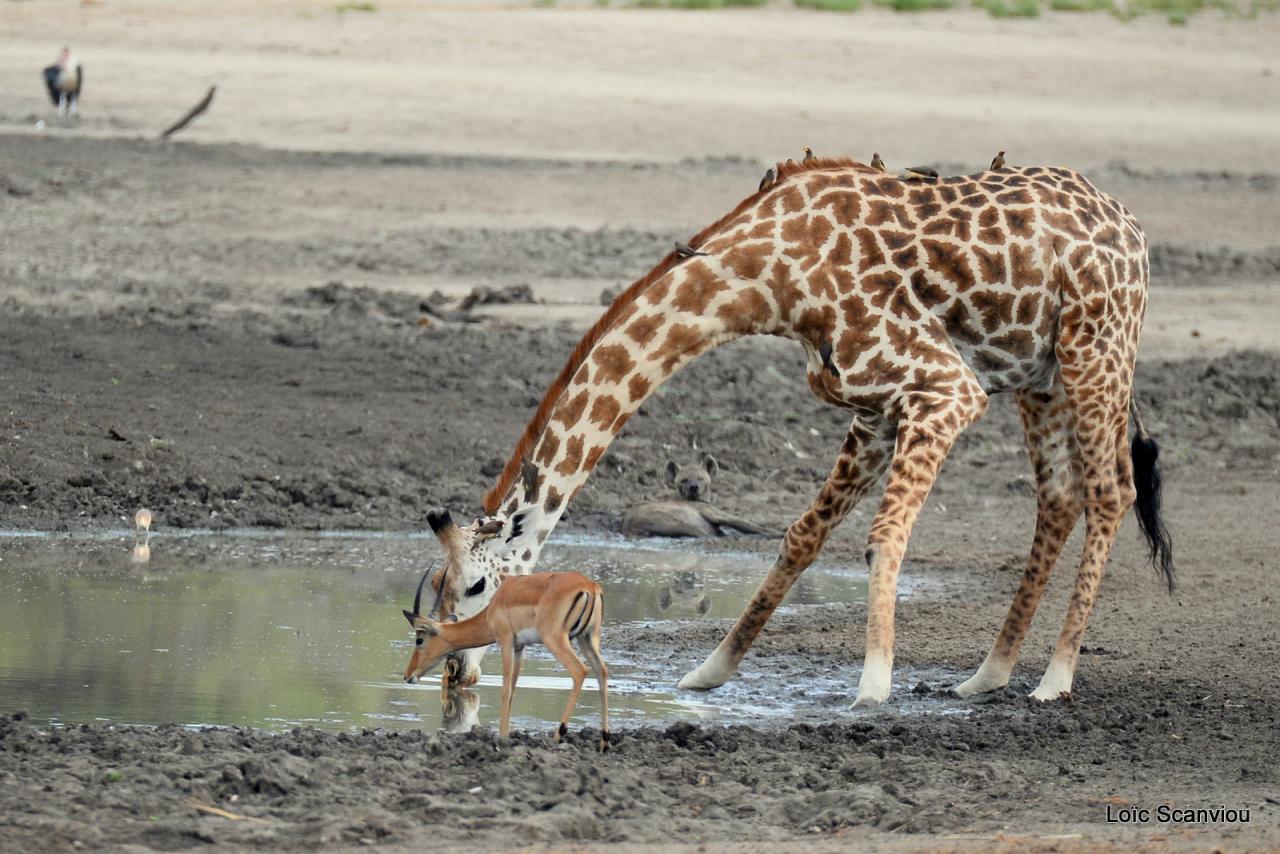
1050 696
697 680
975 685
866 701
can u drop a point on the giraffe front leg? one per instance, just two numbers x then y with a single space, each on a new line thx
921 448
861 461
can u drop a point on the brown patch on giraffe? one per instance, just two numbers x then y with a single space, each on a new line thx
880 212
1020 221
1025 273
928 291
995 308
568 412
905 259
901 305
643 329
548 448
637 388
883 186
1028 308
990 265
1064 222
1015 197
869 253
845 207
614 363
949 261
859 335
880 287
682 338
749 311
987 362
552 503
699 288
657 292
1080 255
749 260
821 281
785 293
583 376
572 456
604 411
895 240
807 235
791 200
957 320
815 324
593 457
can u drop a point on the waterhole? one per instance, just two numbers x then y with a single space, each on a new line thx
281 630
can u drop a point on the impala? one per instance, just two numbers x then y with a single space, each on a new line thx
551 608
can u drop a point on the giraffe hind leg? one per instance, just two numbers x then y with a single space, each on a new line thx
1097 372
1051 444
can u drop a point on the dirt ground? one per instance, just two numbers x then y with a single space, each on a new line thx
256 326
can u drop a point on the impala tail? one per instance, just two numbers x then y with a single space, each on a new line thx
1146 479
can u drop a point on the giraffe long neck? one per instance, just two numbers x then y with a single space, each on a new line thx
694 307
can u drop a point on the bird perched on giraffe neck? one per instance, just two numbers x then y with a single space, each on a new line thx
65 80
997 162
808 155
877 163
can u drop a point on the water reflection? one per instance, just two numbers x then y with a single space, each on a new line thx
686 591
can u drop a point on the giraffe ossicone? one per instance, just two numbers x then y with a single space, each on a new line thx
913 302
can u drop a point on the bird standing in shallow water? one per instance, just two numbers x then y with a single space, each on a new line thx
877 163
64 79
997 162
142 529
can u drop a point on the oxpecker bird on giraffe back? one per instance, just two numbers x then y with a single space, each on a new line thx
913 301
65 80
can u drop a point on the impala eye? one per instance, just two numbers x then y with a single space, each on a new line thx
477 588
418 642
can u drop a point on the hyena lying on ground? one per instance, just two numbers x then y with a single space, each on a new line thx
692 514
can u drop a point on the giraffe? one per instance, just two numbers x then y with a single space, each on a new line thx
914 300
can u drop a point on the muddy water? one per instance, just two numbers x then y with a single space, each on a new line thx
275 631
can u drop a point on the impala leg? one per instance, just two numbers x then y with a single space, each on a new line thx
512 656
862 459
560 648
590 647
922 446
1051 444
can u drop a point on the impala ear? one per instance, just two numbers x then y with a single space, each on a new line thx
709 463
672 468
438 518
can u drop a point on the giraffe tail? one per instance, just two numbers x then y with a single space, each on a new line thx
1147 482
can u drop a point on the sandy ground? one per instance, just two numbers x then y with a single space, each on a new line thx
228 329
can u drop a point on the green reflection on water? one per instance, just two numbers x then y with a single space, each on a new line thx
276 631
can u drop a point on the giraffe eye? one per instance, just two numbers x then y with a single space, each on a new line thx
477 588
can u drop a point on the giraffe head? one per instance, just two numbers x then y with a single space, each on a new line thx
471 571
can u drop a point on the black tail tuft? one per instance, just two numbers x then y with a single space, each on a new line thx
1146 479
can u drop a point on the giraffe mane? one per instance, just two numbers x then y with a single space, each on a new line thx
511 471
